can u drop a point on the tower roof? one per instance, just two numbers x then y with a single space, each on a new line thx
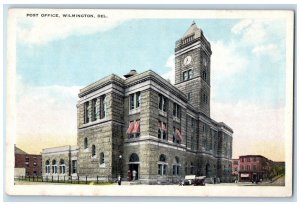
193 30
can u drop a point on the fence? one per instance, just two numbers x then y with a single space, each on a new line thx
67 179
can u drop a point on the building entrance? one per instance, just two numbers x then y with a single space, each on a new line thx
133 167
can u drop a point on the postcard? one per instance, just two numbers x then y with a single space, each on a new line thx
104 102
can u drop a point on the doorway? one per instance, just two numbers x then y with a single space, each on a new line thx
133 167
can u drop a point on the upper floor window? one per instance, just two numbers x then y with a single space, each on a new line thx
248 159
176 110
177 136
162 103
188 75
94 109
254 167
254 159
134 100
133 130
162 130
86 112
205 98
189 96
204 75
85 146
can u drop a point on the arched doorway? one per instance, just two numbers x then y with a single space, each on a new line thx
133 166
207 170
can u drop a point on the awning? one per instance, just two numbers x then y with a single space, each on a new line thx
130 128
163 126
178 135
136 128
244 175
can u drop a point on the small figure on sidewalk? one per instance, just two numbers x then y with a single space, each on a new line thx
119 180
129 175
133 175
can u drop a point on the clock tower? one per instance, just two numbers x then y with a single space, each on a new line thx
192 68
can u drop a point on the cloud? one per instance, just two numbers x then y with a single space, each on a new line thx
258 129
46 114
239 27
170 64
270 50
39 31
226 59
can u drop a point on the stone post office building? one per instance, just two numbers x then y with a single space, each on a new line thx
144 123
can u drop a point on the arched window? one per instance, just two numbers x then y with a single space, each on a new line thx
176 167
47 167
93 150
85 146
162 165
62 166
134 158
101 158
54 167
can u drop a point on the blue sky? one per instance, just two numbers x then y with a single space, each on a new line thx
247 83
147 44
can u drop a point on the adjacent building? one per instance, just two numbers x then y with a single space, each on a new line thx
254 168
145 125
27 164
235 167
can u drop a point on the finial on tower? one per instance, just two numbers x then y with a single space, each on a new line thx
193 22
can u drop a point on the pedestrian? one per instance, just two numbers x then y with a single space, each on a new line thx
129 175
119 180
133 174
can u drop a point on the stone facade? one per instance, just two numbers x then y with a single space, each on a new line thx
146 124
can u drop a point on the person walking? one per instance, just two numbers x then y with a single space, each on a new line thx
133 175
119 180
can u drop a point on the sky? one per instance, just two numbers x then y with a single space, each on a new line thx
56 58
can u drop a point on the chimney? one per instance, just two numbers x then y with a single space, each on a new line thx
131 73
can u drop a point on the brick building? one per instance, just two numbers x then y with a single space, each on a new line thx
235 167
32 163
143 123
254 167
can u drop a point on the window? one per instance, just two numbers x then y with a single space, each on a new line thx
177 136
94 109
248 167
204 76
74 166
187 75
101 158
62 166
85 146
133 130
254 167
162 130
162 165
193 143
135 100
189 96
254 159
54 167
93 150
86 112
176 110
176 167
162 103
242 167
205 98
242 159
47 167
248 159
102 107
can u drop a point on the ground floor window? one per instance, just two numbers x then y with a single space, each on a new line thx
47 167
54 167
74 166
62 166
162 165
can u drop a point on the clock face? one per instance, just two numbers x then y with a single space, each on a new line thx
187 60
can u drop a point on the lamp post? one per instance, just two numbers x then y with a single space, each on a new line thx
120 165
